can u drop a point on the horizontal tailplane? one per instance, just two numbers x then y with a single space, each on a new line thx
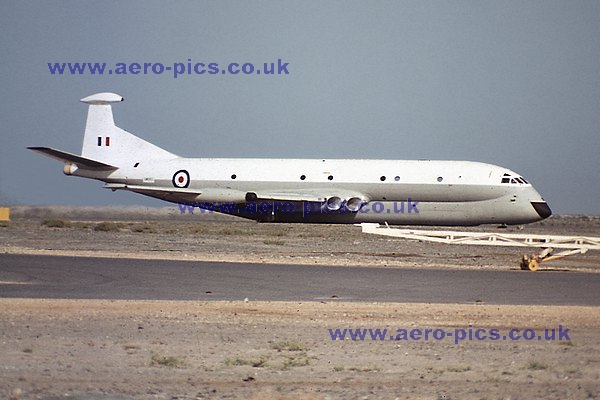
73 159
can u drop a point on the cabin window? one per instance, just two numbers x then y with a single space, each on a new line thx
233 176
382 179
330 177
439 179
302 177
397 178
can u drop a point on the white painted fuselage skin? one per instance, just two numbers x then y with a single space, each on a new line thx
403 192
469 193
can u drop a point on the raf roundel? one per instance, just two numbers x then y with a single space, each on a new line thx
181 179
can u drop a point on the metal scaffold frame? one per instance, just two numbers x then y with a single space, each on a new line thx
571 244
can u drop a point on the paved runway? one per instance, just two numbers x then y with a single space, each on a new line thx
100 278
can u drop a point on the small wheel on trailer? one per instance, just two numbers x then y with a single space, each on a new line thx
529 264
533 265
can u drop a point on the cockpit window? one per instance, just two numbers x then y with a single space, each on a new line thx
507 178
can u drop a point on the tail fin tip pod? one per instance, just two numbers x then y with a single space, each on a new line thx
102 98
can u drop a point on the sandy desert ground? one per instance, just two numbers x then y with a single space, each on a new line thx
93 349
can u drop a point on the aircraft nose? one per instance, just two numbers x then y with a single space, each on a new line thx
542 208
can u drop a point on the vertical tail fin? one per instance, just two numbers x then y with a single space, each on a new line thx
104 141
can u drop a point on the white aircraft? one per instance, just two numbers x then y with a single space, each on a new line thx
417 192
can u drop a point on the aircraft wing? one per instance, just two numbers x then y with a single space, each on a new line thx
334 198
181 194
307 195
230 195
287 196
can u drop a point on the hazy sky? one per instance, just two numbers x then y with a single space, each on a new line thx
513 83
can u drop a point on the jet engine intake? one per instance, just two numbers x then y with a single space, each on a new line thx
334 203
354 204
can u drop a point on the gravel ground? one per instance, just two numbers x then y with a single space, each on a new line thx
93 349
166 234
